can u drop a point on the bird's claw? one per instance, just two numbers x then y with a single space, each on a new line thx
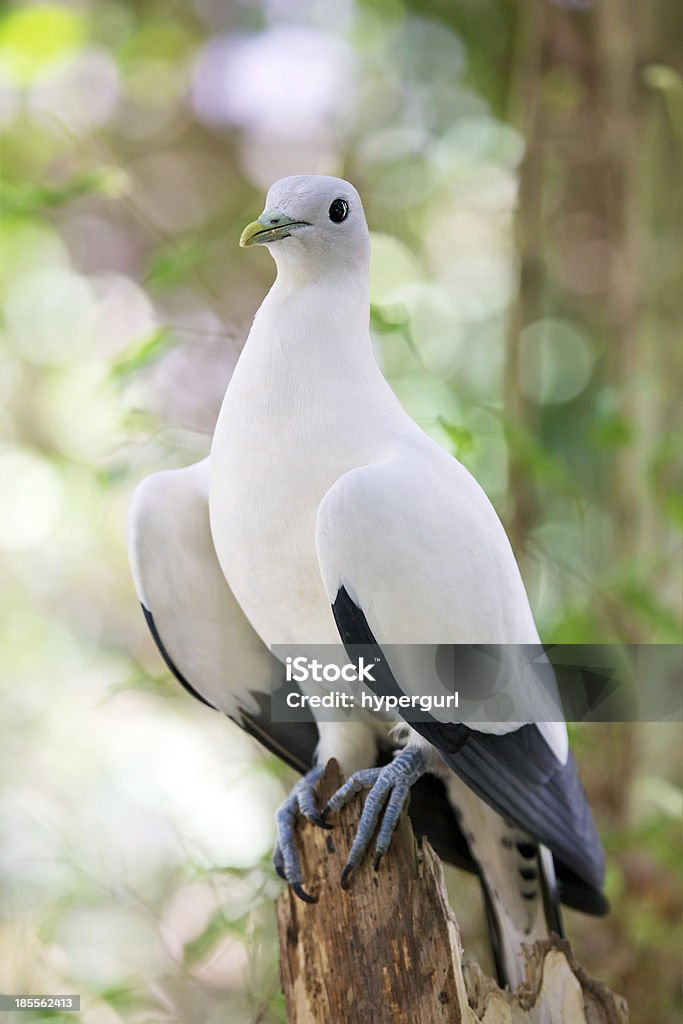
317 819
301 800
299 891
389 788
388 791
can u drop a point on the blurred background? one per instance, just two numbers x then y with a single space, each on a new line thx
520 163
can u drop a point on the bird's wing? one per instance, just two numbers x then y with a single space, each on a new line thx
211 648
198 626
411 552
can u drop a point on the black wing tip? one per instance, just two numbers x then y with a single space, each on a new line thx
173 669
296 749
579 894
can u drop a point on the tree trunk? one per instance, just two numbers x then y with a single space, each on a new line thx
520 414
387 950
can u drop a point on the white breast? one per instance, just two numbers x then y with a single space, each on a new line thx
263 523
288 429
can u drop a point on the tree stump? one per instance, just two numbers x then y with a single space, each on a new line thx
387 950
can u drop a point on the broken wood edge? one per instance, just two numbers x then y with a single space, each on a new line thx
555 982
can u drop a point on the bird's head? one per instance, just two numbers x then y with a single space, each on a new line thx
314 224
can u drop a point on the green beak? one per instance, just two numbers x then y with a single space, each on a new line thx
271 225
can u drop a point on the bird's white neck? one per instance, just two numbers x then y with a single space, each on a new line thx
312 328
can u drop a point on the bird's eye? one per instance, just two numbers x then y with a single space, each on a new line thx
339 211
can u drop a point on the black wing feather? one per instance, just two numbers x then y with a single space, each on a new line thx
293 742
516 774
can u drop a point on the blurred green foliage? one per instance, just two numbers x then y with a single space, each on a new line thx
519 164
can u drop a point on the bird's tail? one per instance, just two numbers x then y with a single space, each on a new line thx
519 916
517 877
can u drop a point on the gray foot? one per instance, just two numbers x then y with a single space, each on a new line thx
301 800
389 788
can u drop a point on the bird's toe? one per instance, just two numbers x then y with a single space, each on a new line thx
389 791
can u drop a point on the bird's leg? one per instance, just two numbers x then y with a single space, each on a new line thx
301 800
389 788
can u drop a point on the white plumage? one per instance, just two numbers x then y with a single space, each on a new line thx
320 484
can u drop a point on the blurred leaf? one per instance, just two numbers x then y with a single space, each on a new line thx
109 476
231 871
577 626
535 459
121 997
174 263
29 198
394 319
141 354
662 794
669 83
278 1007
639 598
461 438
385 319
673 505
666 472
139 680
663 77
162 39
611 431
217 927
658 836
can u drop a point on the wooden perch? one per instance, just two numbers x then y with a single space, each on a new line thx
387 950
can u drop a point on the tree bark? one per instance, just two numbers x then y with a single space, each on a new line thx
387 950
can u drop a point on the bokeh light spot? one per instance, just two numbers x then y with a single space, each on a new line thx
79 93
50 314
556 361
392 267
32 36
30 499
